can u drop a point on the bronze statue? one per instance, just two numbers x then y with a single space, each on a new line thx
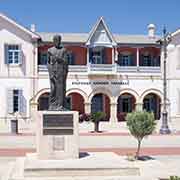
58 69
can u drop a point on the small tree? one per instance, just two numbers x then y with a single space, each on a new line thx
140 124
96 117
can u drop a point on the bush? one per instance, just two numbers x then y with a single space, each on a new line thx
174 178
140 124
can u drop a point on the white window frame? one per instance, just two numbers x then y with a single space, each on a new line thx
13 51
22 106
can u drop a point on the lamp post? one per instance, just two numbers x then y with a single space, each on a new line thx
164 126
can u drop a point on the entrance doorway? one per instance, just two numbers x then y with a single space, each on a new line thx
14 126
101 103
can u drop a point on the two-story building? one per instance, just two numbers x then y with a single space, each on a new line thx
108 72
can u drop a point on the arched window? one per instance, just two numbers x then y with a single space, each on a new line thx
126 104
152 103
43 102
101 103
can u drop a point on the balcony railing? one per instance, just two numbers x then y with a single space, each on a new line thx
72 68
150 69
101 68
106 69
126 68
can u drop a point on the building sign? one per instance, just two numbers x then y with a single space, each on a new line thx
113 83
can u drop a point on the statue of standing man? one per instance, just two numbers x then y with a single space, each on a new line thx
58 69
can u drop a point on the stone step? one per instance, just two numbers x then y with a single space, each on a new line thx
85 172
94 178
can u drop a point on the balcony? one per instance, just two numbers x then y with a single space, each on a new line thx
107 69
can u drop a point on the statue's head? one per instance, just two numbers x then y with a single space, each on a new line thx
57 41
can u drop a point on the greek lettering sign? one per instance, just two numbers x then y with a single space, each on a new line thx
96 83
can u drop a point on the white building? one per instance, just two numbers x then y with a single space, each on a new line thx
107 72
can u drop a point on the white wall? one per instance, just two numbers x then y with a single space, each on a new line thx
15 76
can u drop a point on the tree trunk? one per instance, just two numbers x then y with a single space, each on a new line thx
96 126
138 149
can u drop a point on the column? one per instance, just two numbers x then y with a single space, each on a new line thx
87 107
87 56
139 106
87 61
113 113
33 110
114 58
137 58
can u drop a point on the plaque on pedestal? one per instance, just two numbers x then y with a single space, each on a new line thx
57 124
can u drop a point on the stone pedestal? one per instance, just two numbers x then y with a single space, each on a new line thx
57 135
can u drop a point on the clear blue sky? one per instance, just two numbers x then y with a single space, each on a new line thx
122 16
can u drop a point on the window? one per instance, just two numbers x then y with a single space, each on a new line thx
146 60
16 102
16 99
70 58
125 60
13 54
42 59
97 103
43 102
149 60
97 55
96 58
126 105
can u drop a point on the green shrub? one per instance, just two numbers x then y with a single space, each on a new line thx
140 124
174 178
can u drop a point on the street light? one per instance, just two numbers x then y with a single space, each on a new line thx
164 126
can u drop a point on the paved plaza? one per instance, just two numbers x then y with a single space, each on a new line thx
163 149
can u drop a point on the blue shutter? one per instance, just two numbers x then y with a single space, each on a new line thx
22 105
6 54
20 54
10 98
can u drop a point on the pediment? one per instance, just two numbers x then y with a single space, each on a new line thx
100 35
